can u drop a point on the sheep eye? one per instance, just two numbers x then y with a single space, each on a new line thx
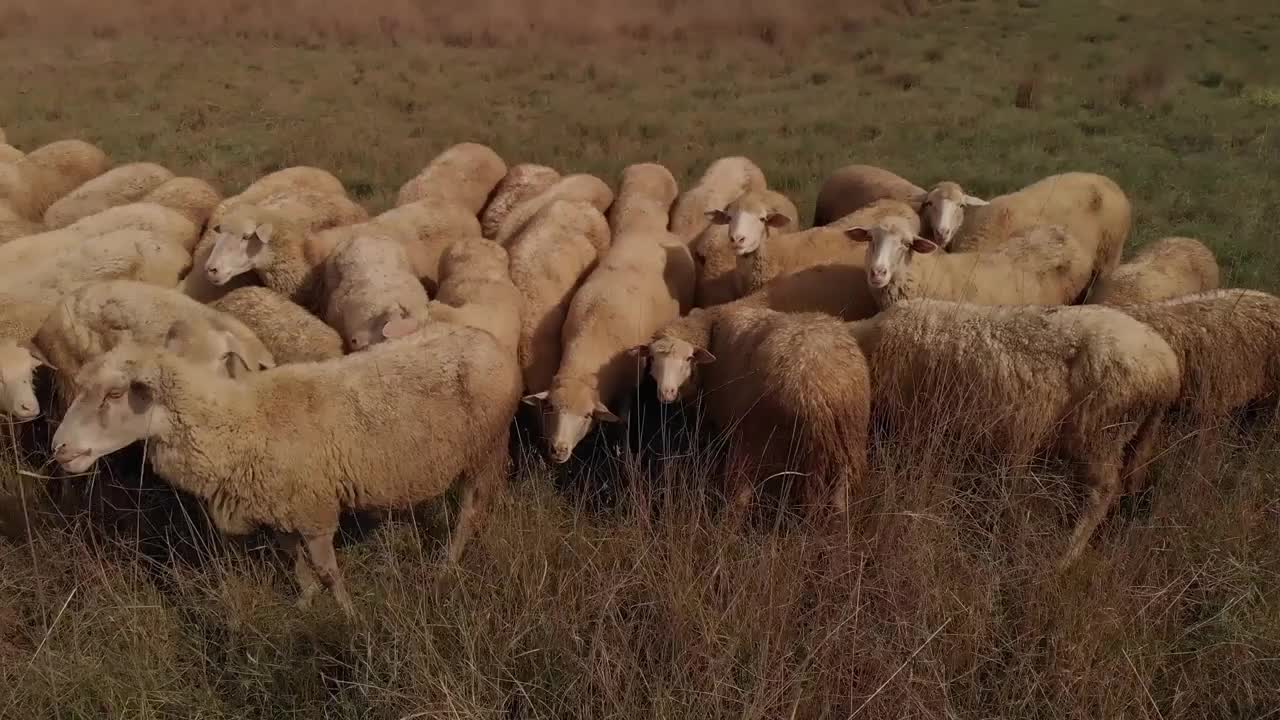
217 229
115 394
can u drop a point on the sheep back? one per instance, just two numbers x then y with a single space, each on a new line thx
476 290
286 329
35 181
644 200
464 175
1163 269
580 188
522 182
724 181
117 186
853 187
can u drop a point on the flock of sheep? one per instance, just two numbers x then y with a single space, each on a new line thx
287 357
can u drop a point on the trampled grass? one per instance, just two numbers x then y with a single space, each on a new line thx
646 605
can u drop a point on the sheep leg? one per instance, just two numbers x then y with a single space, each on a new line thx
309 584
325 564
738 487
1104 488
476 496
1141 448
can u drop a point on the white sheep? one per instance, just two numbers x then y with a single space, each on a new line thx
1163 269
742 250
289 332
644 199
476 290
35 181
571 188
118 186
463 175
1089 382
19 357
369 284
942 209
53 267
193 197
522 182
1038 265
854 187
724 181
549 260
293 447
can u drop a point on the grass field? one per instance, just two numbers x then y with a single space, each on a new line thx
647 607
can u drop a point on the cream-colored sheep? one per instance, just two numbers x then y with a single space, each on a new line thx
35 181
1164 269
643 282
172 225
854 187
476 291
19 357
192 197
522 182
32 266
292 448
289 332
942 210
1089 382
645 195
724 181
1091 208
463 175
118 186
549 260
369 284
740 258
571 188
1039 265
9 153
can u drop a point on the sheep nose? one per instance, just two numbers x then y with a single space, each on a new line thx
560 453
667 395
28 409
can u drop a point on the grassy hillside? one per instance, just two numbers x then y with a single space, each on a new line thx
648 607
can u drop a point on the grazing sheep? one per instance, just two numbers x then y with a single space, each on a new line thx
942 209
13 225
117 186
9 153
1089 382
463 175
643 282
35 181
476 291
644 199
522 182
854 187
370 283
289 332
1091 208
750 221
292 448
192 197
572 188
19 358
549 260
724 181
1164 269
1039 265
1228 344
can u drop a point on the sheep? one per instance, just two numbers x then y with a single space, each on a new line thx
854 187
9 153
293 447
573 188
1228 344
192 197
49 268
522 182
13 225
299 178
643 282
173 225
270 239
35 181
1091 208
1089 382
118 186
463 175
476 291
289 332
738 260
724 181
98 316
644 199
19 358
549 260
1038 265
370 283
1164 269
942 209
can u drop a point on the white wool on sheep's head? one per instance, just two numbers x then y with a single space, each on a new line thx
241 244
943 208
892 242
749 218
671 363
18 363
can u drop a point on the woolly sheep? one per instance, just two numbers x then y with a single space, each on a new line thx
854 187
643 282
522 182
476 291
1090 207
1228 344
19 358
1038 265
35 181
257 463
118 186
370 284
942 209
1164 269
749 221
724 181
193 197
463 175
9 153
289 332
172 225
645 195
53 267
549 260
1090 382
572 188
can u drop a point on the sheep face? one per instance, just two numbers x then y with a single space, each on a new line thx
386 324
749 219
569 411
671 363
891 244
115 407
18 363
241 245
943 208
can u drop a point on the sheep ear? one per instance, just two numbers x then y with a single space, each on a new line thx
175 340
918 201
971 201
718 217
602 414
702 357
923 245
536 399
777 220
264 232
858 234
398 327
31 348
234 365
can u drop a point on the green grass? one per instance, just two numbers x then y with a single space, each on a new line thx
649 607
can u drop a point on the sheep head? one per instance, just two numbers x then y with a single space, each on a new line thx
387 323
671 363
749 218
892 240
569 410
242 242
943 208
219 351
18 363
